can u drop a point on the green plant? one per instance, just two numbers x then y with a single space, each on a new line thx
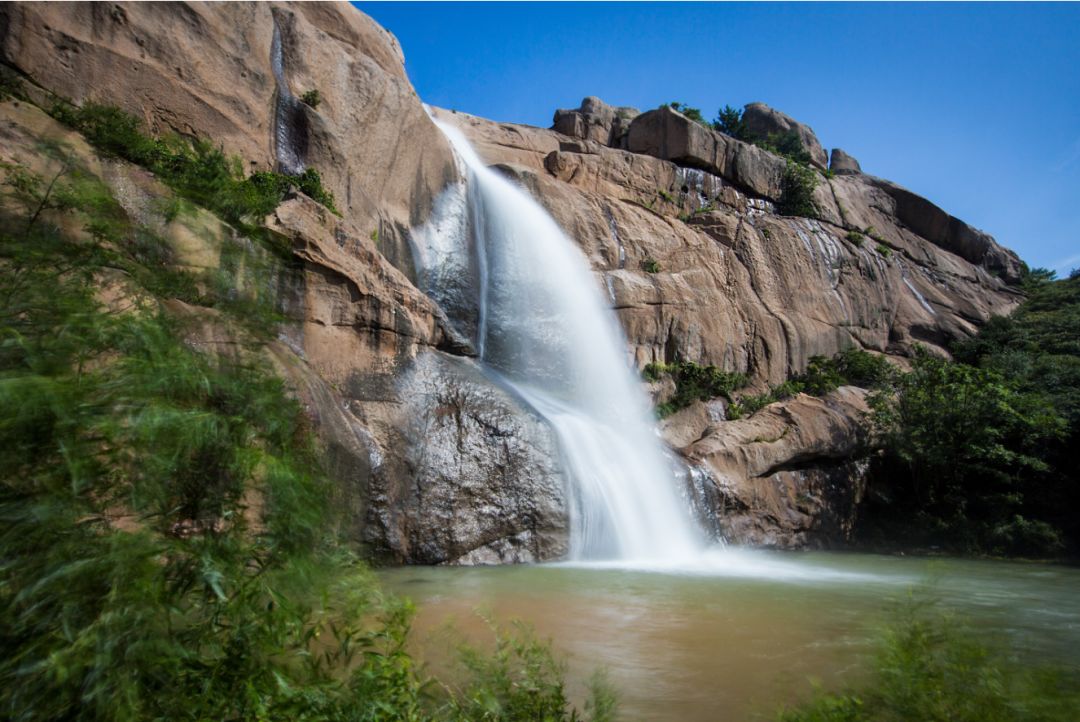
931 665
196 170
884 250
693 382
665 195
797 191
693 114
788 145
650 265
375 236
171 547
855 237
730 121
311 98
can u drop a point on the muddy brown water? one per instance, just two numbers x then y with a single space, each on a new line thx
740 634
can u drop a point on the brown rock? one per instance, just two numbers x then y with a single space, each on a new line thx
843 164
597 121
762 121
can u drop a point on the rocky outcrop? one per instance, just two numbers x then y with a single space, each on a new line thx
841 163
206 70
762 121
434 461
788 476
682 232
669 135
597 121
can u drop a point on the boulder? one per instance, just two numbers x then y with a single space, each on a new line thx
789 476
762 121
843 164
669 135
597 121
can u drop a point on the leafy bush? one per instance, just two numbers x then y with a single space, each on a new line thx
650 265
884 250
730 121
932 666
197 170
693 383
170 547
311 98
963 448
787 145
797 191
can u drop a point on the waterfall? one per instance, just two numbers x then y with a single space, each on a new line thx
542 328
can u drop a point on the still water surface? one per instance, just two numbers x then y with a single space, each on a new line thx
743 632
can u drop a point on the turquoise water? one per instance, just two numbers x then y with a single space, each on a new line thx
742 633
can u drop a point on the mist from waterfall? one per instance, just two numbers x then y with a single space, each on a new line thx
526 294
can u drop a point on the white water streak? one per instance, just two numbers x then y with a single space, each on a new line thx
545 329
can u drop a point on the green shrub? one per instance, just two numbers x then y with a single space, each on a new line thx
797 191
197 170
855 237
665 195
884 250
932 666
311 98
650 265
730 121
170 545
788 145
693 382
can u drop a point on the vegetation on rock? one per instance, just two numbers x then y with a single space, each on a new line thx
693 383
693 114
979 451
797 190
170 545
196 170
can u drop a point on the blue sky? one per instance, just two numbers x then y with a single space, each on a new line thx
975 106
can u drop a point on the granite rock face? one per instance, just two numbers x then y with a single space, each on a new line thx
436 463
597 121
682 233
762 121
843 164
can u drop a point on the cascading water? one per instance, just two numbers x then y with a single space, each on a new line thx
541 326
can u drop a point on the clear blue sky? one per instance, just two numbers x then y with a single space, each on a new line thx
975 106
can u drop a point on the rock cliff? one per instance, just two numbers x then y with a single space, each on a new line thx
437 463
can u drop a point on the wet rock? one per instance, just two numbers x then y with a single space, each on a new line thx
479 479
762 121
789 476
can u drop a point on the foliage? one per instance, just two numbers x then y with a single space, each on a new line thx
884 250
855 237
311 98
520 680
931 666
730 121
665 195
797 191
168 542
787 145
852 366
650 265
693 114
693 382
197 170
966 451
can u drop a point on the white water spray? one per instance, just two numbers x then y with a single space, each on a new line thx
542 326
